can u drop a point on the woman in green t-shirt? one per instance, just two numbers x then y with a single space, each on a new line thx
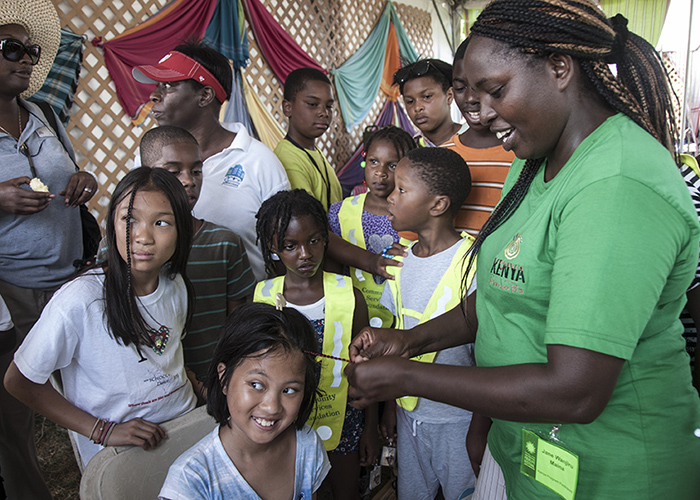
582 268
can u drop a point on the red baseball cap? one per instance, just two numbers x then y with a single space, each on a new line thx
176 66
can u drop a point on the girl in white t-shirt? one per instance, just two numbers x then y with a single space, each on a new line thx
114 332
261 389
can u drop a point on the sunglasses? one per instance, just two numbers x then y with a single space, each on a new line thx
413 71
14 50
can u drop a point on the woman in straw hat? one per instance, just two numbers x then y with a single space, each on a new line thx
582 269
41 234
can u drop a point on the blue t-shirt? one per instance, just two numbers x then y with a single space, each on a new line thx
205 471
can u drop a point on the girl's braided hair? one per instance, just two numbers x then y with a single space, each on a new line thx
124 319
580 29
402 140
273 219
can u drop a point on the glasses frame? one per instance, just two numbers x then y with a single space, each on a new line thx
33 50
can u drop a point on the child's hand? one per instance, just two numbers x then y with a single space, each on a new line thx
137 432
387 424
381 261
369 446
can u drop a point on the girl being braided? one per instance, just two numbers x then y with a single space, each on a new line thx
582 269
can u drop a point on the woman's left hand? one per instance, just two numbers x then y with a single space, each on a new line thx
379 379
81 187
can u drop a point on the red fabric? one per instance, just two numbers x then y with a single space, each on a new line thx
279 49
147 45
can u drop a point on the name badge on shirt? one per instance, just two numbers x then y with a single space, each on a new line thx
547 461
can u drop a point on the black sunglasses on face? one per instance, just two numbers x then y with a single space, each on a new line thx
14 50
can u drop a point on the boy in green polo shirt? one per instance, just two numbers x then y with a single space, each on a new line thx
308 103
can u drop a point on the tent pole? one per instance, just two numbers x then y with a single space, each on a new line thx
686 80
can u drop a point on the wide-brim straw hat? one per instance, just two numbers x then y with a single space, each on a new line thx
40 19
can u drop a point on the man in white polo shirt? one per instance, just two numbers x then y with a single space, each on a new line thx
239 172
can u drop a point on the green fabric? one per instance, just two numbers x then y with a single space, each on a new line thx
606 252
303 174
358 79
645 18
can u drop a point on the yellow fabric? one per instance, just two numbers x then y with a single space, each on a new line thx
269 131
328 416
689 160
350 220
446 296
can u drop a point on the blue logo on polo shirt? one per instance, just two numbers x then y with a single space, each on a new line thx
234 176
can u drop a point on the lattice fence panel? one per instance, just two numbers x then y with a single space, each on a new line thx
329 30
100 131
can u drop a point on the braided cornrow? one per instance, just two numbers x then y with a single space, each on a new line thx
579 28
273 219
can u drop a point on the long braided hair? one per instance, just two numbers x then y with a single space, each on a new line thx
124 320
273 219
580 29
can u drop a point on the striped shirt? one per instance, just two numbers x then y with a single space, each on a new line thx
690 332
488 168
219 271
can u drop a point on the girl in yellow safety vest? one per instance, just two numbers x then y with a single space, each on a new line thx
363 220
293 226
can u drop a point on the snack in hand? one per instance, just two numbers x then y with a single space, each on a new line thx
37 185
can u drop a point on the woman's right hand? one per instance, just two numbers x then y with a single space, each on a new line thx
137 432
16 200
373 342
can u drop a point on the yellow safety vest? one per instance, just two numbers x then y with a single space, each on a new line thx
445 297
329 413
350 220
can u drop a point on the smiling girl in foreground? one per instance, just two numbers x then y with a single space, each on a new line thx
114 332
293 225
261 389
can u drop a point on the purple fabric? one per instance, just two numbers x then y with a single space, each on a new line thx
376 229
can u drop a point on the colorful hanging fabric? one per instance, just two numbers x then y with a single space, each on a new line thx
148 42
392 62
359 78
236 109
268 129
62 81
279 49
226 32
352 174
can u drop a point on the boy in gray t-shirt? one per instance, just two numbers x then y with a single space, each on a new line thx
431 184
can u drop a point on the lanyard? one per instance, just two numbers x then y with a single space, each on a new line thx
326 180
